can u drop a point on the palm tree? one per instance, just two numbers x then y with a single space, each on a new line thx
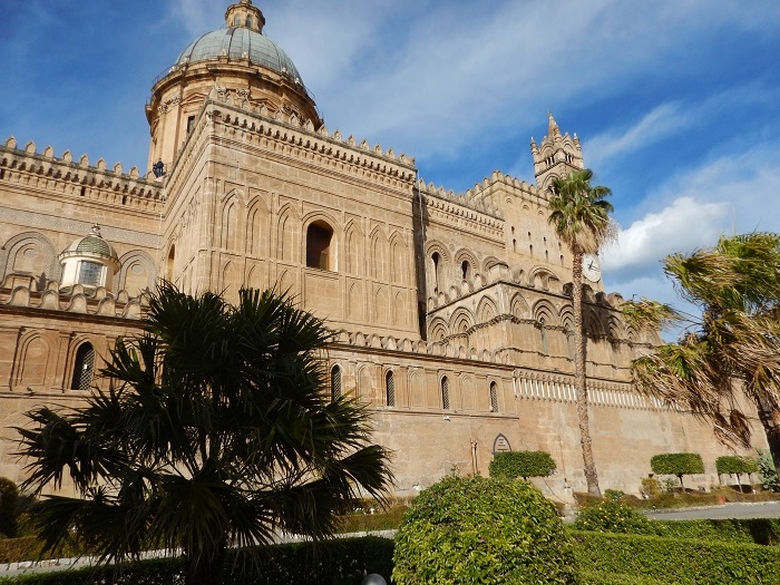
216 433
731 349
580 216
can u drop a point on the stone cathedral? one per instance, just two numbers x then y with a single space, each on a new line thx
454 309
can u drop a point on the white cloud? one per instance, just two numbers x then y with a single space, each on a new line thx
732 193
684 225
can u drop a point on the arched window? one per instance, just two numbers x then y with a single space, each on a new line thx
249 22
465 270
318 240
543 336
390 388
83 367
569 342
493 397
445 393
437 280
169 263
335 383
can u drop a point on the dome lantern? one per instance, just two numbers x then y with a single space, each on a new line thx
245 15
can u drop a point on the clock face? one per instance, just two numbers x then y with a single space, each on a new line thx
591 269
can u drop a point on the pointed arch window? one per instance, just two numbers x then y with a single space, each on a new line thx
390 388
493 397
543 335
445 393
83 367
169 263
335 383
318 246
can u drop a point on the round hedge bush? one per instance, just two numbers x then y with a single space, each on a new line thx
612 516
469 530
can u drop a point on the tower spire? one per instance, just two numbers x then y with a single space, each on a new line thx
556 156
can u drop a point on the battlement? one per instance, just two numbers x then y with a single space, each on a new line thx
20 291
480 198
27 167
257 122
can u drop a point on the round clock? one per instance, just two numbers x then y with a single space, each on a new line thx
591 269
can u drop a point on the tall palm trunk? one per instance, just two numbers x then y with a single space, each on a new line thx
769 415
580 382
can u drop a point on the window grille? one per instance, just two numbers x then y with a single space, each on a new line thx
83 368
445 393
335 383
493 397
390 388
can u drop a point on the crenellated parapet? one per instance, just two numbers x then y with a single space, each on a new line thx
20 292
486 197
63 175
256 126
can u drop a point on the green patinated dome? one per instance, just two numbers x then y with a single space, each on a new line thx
92 243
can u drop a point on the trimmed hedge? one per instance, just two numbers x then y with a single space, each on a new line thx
9 496
764 531
525 464
336 562
678 464
736 465
672 560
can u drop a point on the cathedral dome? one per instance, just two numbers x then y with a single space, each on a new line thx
236 64
241 39
239 43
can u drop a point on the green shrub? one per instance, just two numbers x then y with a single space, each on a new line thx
614 494
735 465
525 464
9 496
612 516
764 531
767 472
678 464
650 487
672 560
337 562
482 530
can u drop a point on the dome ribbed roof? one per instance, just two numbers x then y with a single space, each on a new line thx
241 39
92 243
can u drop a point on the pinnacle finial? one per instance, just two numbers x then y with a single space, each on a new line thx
552 125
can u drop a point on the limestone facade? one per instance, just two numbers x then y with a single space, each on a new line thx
454 310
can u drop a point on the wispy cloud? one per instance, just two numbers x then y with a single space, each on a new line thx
661 122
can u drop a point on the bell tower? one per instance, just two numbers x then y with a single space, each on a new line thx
557 156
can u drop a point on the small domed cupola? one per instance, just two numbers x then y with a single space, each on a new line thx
89 261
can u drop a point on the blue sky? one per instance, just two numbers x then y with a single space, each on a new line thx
677 102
